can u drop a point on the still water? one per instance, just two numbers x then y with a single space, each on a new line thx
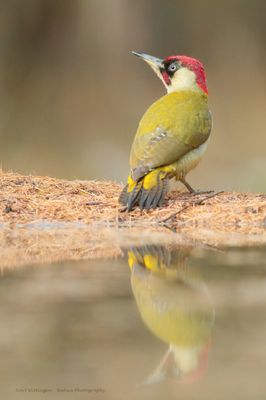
160 322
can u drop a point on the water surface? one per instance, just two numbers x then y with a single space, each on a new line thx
160 322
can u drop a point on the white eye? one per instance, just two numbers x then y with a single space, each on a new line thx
172 67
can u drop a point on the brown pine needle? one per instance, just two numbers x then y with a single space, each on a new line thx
195 203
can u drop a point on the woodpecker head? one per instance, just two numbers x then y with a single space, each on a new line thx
178 72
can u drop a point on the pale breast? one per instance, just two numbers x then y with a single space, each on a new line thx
190 160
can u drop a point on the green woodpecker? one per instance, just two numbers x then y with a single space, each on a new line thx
172 135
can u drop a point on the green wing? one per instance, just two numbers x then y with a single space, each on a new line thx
174 125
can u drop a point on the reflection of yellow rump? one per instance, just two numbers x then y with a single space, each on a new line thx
174 304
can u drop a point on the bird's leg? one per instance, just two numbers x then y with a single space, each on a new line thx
193 191
189 188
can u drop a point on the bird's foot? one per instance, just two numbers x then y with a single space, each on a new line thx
193 191
196 192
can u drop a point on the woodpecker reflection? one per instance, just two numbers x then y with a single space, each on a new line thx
175 305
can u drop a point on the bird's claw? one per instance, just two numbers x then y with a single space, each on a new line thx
197 192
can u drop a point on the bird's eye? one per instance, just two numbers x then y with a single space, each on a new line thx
172 67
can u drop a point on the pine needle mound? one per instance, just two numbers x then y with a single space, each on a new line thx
36 212
26 199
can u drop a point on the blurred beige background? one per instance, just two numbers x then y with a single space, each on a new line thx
71 95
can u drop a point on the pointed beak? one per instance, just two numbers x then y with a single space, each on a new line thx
155 63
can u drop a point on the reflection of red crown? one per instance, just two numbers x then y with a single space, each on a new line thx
201 369
168 369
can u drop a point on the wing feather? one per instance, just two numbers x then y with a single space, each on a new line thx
171 127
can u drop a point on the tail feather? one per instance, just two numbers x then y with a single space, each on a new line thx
123 196
147 197
164 191
134 196
159 196
144 195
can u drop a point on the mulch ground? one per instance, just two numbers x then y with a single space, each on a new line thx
27 203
